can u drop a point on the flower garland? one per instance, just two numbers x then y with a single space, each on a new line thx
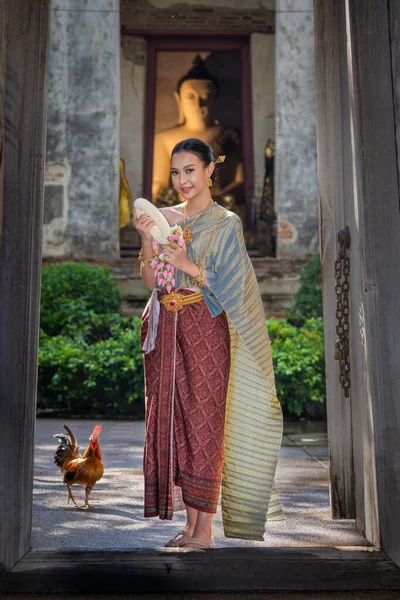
163 271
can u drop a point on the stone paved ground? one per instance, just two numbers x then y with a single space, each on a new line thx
116 521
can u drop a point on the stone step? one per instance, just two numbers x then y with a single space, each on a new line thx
278 279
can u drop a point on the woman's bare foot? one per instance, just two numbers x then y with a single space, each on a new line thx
199 543
179 540
202 532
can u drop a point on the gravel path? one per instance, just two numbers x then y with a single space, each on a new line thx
117 522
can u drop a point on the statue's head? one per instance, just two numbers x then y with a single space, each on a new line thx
196 95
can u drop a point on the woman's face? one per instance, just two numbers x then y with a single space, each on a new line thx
189 175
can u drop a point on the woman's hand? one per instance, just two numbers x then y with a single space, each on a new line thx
143 224
177 256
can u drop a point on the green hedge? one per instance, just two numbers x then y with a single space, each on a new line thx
299 363
307 302
90 361
104 378
78 298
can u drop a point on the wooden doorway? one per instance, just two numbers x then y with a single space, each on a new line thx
363 74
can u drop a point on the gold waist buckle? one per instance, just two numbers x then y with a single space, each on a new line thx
174 301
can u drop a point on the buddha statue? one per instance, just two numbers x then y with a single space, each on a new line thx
196 96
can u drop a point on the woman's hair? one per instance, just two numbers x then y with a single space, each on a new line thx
202 150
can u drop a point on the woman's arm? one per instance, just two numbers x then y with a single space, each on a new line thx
177 257
143 224
146 270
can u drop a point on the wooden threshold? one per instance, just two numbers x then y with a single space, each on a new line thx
225 569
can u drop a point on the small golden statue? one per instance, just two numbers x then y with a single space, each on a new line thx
124 197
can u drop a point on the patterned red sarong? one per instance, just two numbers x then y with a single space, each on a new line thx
186 380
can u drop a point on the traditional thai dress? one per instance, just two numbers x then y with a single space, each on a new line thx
211 404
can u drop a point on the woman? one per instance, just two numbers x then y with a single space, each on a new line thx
211 405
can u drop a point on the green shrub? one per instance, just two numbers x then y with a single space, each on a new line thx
75 299
307 302
299 365
104 378
90 360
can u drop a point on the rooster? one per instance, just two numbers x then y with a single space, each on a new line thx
86 470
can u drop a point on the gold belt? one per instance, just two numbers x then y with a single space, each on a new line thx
174 301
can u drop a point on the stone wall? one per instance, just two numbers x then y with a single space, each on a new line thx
82 182
296 192
207 16
97 100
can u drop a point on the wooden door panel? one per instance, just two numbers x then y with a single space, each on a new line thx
359 187
329 42
20 267
371 43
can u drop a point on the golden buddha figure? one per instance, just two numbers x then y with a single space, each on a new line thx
124 197
196 96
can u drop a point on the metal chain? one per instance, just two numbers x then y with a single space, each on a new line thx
342 288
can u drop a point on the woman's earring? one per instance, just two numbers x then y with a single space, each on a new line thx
210 182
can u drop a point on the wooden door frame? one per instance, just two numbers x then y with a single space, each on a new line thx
24 570
200 42
20 266
370 30
332 107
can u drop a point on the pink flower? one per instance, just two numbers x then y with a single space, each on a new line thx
169 288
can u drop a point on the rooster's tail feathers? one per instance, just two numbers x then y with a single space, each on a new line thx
72 437
67 450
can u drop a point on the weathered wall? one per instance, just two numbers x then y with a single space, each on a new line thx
81 192
88 89
295 160
207 16
235 4
133 70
